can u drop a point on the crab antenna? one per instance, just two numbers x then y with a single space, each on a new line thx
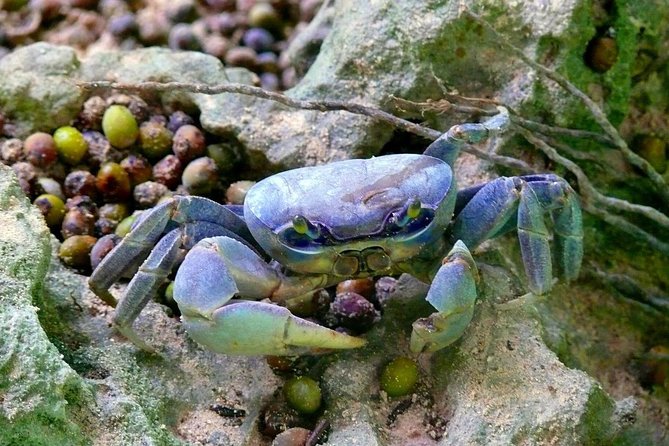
302 225
410 211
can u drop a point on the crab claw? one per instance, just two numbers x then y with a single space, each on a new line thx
453 293
219 269
257 328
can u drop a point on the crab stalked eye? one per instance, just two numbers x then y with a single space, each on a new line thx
303 226
410 211
413 210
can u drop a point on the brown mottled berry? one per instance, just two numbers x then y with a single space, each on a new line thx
40 149
75 251
384 287
280 364
120 126
155 140
77 221
51 207
80 182
83 202
237 191
104 226
70 144
188 143
314 304
295 436
26 174
159 119
182 37
46 185
277 417
11 150
302 394
114 211
200 176
399 377
353 311
148 194
139 168
215 45
268 62
364 287
601 53
91 113
113 182
241 56
178 119
168 171
653 150
99 149
102 247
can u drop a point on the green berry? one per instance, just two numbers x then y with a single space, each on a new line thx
125 225
303 394
155 140
113 211
399 377
51 207
120 126
70 144
75 251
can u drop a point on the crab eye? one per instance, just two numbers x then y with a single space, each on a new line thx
303 226
409 212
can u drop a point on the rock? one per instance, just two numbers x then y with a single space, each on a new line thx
37 91
43 398
374 51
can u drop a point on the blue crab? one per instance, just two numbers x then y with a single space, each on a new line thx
321 225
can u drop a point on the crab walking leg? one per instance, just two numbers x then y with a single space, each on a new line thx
151 226
447 146
220 268
453 294
153 272
493 211
555 196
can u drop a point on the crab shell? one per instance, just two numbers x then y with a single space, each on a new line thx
352 201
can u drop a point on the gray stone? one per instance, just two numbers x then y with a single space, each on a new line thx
37 91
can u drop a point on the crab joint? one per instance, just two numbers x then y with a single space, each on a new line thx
410 211
303 226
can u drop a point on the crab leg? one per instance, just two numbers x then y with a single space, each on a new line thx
153 272
522 202
220 268
151 226
447 146
453 294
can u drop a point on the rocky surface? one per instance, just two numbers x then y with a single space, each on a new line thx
560 370
80 382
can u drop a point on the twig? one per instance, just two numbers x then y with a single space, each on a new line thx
441 106
561 131
323 106
621 223
596 112
588 191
